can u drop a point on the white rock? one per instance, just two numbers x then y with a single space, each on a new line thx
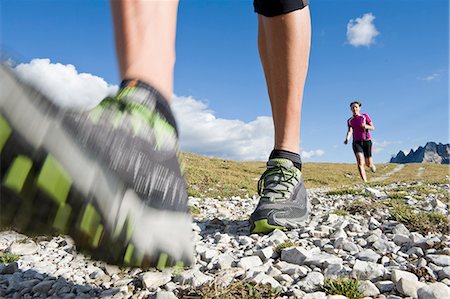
163 295
265 253
396 275
263 279
276 237
369 289
250 262
193 277
409 287
312 282
209 254
434 291
368 255
224 261
367 270
27 247
375 193
439 259
315 295
153 280
400 239
322 260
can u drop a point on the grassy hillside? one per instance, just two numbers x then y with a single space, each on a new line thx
212 177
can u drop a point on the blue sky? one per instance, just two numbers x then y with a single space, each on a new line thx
400 75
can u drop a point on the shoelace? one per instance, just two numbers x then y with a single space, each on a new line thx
284 179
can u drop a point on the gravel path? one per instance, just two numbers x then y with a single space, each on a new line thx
388 259
386 175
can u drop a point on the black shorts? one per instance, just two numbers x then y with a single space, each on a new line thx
272 8
363 146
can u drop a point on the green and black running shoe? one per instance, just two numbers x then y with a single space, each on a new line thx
110 177
284 202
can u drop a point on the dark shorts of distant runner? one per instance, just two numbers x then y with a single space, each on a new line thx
272 8
363 146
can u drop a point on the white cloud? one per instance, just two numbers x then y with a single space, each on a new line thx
362 31
312 153
430 77
202 132
64 84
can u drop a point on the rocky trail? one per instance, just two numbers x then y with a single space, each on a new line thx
388 259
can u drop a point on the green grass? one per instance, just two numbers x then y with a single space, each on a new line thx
236 290
363 207
422 222
194 210
345 286
347 192
340 212
284 245
219 178
7 257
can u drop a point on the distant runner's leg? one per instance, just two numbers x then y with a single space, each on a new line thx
145 41
284 33
360 162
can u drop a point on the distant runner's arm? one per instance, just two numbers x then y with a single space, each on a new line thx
369 126
349 133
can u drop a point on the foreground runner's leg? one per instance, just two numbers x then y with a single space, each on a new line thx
284 43
109 177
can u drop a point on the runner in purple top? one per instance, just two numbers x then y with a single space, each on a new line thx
360 124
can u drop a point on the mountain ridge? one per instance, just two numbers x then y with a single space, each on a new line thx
432 152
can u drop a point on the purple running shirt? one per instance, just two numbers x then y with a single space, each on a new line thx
355 122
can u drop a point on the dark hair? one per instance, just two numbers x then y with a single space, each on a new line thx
356 102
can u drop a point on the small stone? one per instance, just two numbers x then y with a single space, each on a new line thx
42 287
315 295
385 286
193 277
224 261
297 255
276 237
263 279
400 239
368 255
444 273
163 295
10 268
265 253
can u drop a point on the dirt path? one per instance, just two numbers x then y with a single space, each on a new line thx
386 175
